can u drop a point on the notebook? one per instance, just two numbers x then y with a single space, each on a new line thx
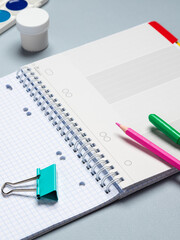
62 110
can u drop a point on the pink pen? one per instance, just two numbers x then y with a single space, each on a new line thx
151 146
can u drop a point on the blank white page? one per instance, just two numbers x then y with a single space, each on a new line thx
29 141
123 78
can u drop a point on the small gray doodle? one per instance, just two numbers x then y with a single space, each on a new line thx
82 184
58 153
28 113
9 87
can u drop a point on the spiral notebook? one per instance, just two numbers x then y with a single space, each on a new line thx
62 110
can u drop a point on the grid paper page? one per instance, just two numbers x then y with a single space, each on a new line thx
29 141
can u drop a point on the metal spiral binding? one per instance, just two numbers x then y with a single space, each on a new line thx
84 147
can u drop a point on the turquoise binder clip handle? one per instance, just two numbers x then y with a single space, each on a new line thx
46 184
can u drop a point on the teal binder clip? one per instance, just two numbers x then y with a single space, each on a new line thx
45 181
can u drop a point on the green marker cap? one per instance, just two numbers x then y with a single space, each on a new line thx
164 127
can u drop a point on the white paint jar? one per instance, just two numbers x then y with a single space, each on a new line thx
33 24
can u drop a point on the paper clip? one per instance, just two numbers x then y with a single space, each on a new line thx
45 184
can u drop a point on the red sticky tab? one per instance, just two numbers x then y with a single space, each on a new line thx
163 31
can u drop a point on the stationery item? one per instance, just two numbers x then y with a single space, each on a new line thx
45 187
60 110
151 146
33 24
10 9
164 127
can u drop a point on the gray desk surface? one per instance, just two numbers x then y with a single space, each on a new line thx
153 213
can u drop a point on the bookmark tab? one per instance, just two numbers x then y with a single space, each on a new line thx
163 32
46 184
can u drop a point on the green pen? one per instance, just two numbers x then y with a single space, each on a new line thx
164 127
